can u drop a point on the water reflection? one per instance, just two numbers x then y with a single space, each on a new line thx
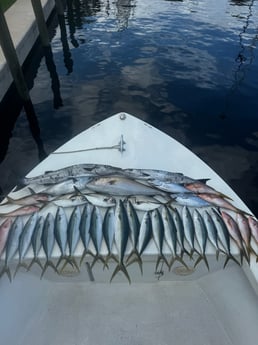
125 10
68 61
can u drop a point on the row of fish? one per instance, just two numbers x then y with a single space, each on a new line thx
125 235
101 184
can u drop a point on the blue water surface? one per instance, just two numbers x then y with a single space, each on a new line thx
188 67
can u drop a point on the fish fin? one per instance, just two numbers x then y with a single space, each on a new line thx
179 259
48 264
108 257
204 258
121 267
35 261
71 261
64 257
6 270
204 180
96 258
20 264
32 191
161 257
230 257
137 259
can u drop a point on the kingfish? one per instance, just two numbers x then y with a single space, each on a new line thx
134 225
48 241
96 233
122 231
12 245
25 239
158 236
201 236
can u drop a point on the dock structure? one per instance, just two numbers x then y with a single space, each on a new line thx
24 33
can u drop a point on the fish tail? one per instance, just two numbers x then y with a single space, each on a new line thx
230 257
6 269
83 256
179 259
96 258
137 259
48 264
204 258
160 258
20 264
217 254
121 267
71 261
34 261
60 260
108 257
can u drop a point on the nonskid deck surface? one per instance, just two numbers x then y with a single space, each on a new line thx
219 308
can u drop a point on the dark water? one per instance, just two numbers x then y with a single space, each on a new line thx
190 68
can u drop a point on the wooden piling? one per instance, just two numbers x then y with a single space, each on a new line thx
41 23
12 59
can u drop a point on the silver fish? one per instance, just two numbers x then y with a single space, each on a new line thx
188 229
158 236
36 241
48 241
145 232
85 228
96 233
143 204
60 231
201 237
68 186
4 231
170 234
12 245
134 225
73 201
25 239
245 231
100 200
168 186
188 199
180 230
122 231
109 233
235 234
212 232
223 236
73 236
120 186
